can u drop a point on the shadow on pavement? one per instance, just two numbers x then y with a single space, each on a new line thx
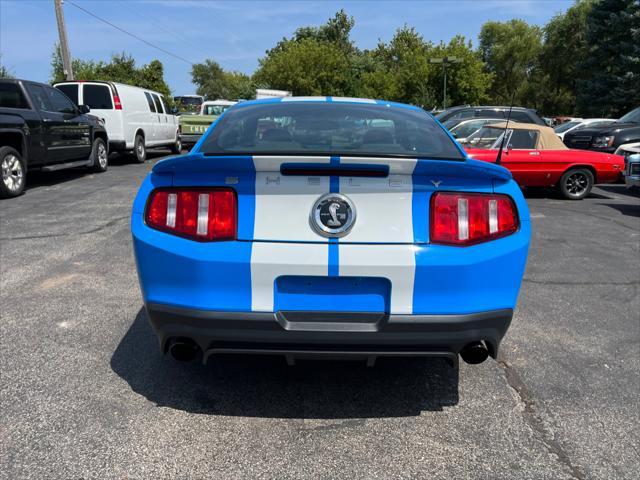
625 209
254 386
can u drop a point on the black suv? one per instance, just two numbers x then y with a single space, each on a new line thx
519 114
606 138
40 128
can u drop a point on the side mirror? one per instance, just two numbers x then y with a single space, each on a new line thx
174 110
84 108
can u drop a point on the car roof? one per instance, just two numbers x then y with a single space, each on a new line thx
547 139
328 99
219 102
494 107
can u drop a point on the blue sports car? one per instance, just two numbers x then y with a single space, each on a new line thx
325 226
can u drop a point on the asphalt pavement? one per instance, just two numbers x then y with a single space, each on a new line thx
85 393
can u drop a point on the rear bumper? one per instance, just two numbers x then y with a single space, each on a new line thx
190 138
330 333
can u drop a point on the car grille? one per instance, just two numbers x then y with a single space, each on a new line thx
580 141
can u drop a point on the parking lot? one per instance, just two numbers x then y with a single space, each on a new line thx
86 393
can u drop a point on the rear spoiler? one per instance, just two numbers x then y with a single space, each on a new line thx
331 166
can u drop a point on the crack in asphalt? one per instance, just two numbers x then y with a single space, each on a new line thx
110 223
532 418
557 282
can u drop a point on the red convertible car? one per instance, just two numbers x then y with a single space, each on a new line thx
536 157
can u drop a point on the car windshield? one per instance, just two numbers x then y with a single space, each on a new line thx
486 137
632 116
214 109
188 100
566 126
321 128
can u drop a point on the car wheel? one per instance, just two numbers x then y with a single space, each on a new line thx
99 155
13 173
176 148
139 149
576 183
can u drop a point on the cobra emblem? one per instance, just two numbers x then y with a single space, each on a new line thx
333 211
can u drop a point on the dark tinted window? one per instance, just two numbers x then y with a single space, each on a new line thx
461 115
152 107
97 97
39 97
490 113
60 102
523 139
70 91
156 100
164 104
329 128
11 96
520 116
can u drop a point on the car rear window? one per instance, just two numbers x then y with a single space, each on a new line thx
70 90
11 96
329 128
97 97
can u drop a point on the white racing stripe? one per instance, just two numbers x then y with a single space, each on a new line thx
394 262
283 203
383 208
271 260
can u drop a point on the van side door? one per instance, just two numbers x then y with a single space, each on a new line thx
172 127
153 122
162 119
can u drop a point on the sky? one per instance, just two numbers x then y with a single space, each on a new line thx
236 34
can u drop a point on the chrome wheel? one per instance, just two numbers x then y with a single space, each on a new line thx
577 184
140 150
102 155
12 173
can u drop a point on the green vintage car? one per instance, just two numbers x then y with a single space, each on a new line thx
192 127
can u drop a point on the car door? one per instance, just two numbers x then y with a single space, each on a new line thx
522 158
152 123
163 126
74 135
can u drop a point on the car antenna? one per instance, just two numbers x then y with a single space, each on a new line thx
504 135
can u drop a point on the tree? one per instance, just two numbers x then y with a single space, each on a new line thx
122 68
510 51
4 71
315 61
214 83
554 82
306 67
467 81
610 69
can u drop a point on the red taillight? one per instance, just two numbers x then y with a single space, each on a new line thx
116 102
469 218
204 214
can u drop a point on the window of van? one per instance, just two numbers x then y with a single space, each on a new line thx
152 107
70 90
157 102
98 97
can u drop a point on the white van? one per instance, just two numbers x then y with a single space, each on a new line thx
135 118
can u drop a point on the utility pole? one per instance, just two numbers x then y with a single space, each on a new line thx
64 43
445 61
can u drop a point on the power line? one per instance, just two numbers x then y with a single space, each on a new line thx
130 34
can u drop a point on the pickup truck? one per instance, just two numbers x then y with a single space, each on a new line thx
42 129
192 127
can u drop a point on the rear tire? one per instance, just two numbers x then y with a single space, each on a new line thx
176 148
100 156
576 183
13 173
139 149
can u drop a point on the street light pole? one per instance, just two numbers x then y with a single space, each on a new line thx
445 61
64 43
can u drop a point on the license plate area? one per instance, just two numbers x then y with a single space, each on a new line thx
332 294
